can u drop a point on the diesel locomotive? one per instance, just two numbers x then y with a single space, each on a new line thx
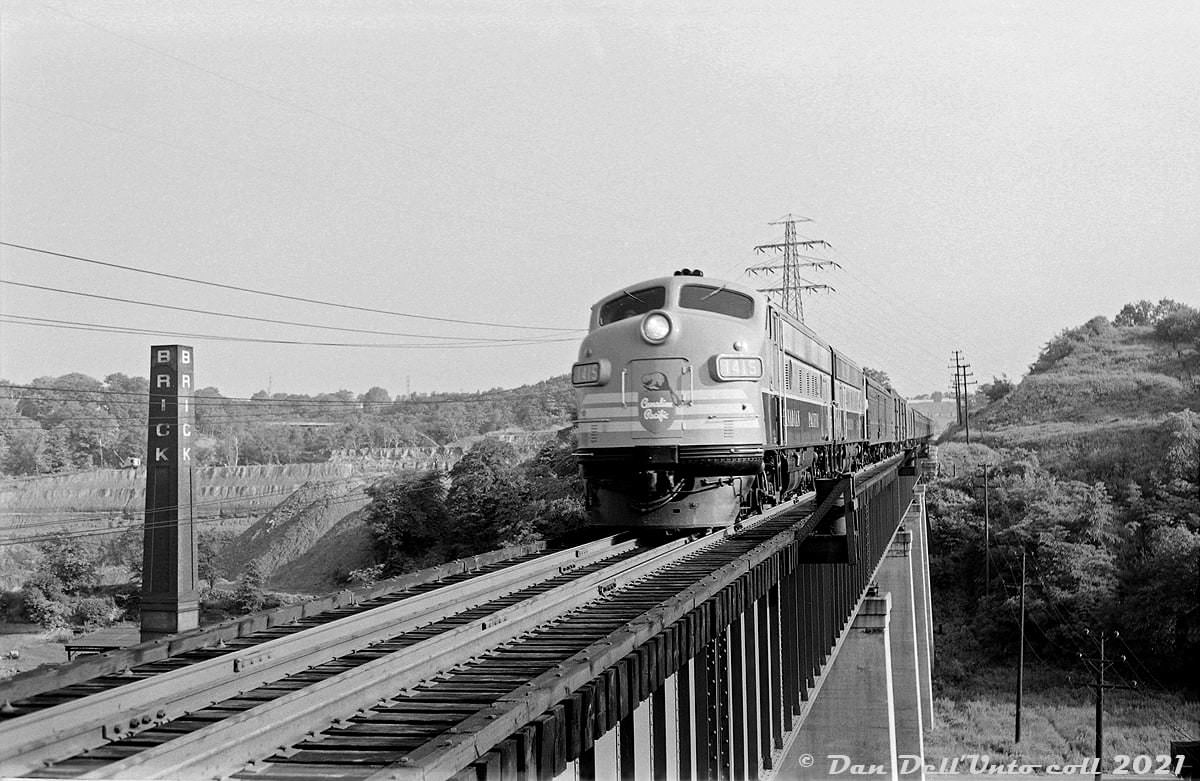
701 400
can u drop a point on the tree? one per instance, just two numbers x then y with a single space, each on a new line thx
1134 314
248 596
69 563
1180 325
375 400
879 376
1164 307
409 522
484 493
24 451
998 388
208 566
128 406
554 489
1159 591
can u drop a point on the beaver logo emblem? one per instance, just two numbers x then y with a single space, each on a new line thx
657 402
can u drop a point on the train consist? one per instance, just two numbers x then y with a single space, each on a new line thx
700 400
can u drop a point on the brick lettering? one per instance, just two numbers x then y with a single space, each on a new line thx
162 380
160 454
162 356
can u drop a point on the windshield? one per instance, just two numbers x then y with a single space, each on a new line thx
715 299
632 303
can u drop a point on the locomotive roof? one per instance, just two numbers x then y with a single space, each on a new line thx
679 280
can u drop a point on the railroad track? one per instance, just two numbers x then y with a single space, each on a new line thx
136 708
388 689
397 686
435 727
111 676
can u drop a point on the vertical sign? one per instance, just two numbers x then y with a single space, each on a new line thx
170 599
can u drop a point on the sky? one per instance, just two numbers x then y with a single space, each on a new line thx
987 174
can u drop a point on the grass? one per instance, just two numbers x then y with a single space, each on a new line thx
33 647
1058 719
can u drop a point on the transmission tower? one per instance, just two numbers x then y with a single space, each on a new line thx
793 286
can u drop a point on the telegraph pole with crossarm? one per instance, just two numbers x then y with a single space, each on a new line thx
1098 667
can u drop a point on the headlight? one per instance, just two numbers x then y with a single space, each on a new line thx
656 327
591 372
737 367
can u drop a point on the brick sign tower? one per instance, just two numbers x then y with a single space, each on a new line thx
170 599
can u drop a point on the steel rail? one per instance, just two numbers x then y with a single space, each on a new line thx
86 669
226 746
72 727
443 756
401 725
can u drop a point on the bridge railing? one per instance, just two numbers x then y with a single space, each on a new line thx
730 664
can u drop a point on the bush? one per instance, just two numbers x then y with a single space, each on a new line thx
367 576
248 596
42 610
70 563
91 612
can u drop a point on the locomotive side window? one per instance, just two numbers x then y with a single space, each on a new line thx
715 299
632 303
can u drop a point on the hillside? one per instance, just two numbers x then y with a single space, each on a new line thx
1106 512
1096 404
297 527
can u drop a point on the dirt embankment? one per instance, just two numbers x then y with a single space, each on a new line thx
309 542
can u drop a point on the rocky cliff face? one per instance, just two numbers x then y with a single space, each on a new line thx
218 492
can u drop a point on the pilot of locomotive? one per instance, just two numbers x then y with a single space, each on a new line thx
670 427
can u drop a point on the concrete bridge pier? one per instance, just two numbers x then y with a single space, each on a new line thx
852 724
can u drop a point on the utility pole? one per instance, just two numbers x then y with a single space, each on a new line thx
1098 667
962 403
1021 652
793 286
958 406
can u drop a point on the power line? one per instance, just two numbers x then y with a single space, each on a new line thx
272 294
74 325
208 312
